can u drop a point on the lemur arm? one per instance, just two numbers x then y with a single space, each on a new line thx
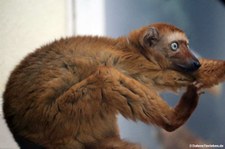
109 91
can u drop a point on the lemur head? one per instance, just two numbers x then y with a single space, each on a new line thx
167 46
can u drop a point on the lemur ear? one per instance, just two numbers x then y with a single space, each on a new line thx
150 37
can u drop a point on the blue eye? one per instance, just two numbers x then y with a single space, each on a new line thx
174 46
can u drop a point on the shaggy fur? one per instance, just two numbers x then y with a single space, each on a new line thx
67 94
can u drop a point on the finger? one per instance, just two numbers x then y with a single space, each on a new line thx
198 85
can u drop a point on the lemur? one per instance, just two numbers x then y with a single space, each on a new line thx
67 94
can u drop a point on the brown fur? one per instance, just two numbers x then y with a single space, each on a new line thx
67 94
211 72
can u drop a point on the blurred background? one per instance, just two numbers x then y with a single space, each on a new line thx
28 24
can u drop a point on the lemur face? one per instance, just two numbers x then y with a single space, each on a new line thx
171 45
176 49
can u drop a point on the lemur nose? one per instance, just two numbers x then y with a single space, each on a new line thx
196 64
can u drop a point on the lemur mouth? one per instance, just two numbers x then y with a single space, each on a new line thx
188 68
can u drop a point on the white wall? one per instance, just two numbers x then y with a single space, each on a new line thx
90 17
27 24
24 26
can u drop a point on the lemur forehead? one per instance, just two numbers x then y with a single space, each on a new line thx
175 36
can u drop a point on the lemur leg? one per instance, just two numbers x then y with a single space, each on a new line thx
136 101
86 104
108 91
